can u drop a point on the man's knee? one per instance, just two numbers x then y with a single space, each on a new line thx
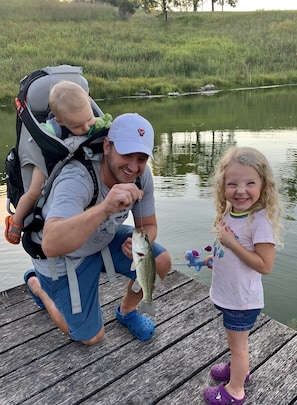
163 264
94 339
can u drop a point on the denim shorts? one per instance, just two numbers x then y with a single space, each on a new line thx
239 320
89 322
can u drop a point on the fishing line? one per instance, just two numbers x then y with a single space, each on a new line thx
141 218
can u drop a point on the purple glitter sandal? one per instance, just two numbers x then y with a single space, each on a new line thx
219 396
221 372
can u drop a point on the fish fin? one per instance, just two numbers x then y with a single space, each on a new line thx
146 308
136 286
158 281
133 266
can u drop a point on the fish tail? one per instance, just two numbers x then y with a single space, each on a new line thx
136 287
158 281
146 308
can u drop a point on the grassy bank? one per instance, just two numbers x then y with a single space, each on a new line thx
122 57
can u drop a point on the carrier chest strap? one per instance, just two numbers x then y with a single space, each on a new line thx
72 281
108 264
72 277
73 286
52 267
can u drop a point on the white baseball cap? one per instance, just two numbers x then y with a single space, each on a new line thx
131 133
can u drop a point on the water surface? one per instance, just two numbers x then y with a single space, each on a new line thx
191 134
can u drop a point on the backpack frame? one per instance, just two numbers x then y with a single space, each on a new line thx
32 110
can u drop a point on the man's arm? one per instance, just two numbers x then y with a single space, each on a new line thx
62 236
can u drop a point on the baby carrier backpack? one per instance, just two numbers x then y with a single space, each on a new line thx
32 110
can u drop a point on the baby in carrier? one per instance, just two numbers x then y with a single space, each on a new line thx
73 115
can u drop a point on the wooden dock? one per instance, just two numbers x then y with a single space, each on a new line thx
40 365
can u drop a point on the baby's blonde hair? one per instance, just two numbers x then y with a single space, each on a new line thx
65 97
269 197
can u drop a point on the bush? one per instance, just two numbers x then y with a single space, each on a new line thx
126 9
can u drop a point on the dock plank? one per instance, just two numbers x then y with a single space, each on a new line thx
40 365
262 350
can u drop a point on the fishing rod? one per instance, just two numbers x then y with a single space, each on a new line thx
194 258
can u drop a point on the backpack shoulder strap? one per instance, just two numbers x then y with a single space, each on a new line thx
26 82
138 182
89 166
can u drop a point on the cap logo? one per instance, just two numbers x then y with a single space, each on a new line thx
141 131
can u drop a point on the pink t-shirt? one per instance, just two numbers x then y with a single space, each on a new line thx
234 284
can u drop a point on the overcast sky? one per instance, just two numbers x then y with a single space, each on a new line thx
252 5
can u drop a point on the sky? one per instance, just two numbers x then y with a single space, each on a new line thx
253 5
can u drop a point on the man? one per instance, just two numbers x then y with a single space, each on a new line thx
76 237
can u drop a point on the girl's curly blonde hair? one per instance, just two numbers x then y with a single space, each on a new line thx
269 197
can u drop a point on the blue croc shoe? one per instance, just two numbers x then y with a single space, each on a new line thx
27 275
140 326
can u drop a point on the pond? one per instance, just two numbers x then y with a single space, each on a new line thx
191 134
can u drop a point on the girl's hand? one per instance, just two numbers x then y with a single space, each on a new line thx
227 236
209 261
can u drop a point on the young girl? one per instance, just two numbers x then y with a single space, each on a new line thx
248 227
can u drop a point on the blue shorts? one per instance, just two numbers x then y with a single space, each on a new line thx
239 320
89 322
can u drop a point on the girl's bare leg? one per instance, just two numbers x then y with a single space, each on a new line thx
239 347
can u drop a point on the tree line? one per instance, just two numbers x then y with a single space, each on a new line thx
128 7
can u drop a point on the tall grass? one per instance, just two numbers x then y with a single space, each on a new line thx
122 57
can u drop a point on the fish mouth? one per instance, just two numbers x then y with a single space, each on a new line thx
140 254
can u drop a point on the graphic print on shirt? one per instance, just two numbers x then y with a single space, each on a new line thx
111 225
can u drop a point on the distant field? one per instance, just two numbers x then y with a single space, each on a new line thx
120 57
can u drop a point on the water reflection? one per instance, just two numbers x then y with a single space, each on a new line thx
197 153
191 152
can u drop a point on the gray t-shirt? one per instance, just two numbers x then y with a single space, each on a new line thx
71 193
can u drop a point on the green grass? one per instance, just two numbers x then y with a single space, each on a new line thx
122 57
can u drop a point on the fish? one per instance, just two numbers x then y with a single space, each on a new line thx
145 266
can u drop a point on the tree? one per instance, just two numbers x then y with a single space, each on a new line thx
232 3
196 3
164 5
126 9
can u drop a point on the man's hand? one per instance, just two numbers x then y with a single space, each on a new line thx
127 247
120 197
